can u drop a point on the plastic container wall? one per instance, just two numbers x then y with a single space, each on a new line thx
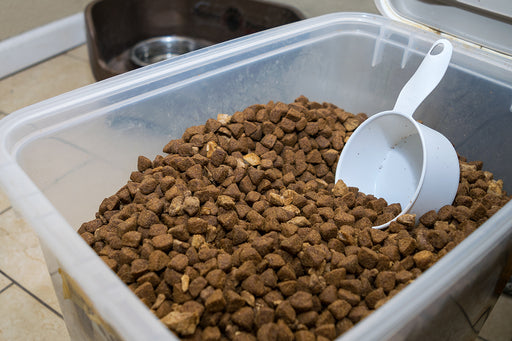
61 157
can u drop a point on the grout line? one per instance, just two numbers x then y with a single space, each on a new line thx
31 294
5 210
78 58
6 287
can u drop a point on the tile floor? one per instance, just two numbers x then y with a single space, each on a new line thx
29 309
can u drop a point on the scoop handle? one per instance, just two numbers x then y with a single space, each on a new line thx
425 79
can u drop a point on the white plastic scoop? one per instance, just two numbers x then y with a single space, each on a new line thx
392 156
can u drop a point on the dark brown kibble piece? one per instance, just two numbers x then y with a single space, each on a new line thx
108 204
358 313
352 285
143 163
312 257
349 296
268 332
385 280
326 330
211 334
285 311
216 278
304 335
288 288
148 185
292 245
158 260
147 218
406 246
254 285
197 225
244 317
334 277
328 295
178 262
339 309
423 259
373 297
263 315
131 239
215 302
367 257
162 242
146 292
301 301
224 261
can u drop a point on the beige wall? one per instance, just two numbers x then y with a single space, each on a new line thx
18 16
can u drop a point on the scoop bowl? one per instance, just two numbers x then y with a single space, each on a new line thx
394 157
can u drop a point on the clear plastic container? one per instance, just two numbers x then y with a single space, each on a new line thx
61 157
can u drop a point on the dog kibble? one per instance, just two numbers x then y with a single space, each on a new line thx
254 285
285 311
240 233
301 301
423 259
268 331
184 323
211 334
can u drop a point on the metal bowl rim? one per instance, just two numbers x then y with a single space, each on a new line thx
163 41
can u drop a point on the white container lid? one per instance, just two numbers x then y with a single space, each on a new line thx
487 25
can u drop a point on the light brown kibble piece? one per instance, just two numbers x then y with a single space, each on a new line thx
423 259
340 189
185 281
182 323
158 302
210 148
224 118
465 167
276 199
351 123
495 187
252 159
197 241
407 219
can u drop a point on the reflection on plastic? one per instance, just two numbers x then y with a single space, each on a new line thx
72 291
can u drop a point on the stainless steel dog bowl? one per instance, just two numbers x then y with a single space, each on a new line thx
154 50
